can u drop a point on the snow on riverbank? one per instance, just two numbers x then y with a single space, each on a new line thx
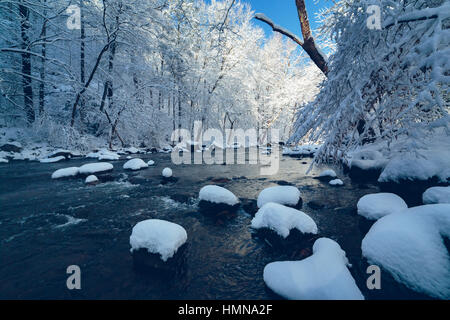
323 276
410 246
159 237
282 220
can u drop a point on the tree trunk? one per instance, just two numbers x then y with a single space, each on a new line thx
42 71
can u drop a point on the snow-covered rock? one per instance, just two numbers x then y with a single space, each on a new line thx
64 153
91 180
410 246
218 195
52 160
151 163
285 195
328 174
282 220
135 164
336 182
158 237
66 173
366 165
3 160
377 205
436 195
104 154
323 276
132 150
167 173
93 168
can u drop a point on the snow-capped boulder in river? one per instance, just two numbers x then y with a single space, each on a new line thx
323 276
410 246
282 220
91 180
151 163
66 173
377 205
157 244
216 200
93 168
366 165
436 195
167 173
52 160
2 160
135 164
336 182
328 174
285 195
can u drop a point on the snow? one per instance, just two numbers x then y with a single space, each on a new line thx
3 160
92 168
91 179
368 160
66 172
132 150
151 163
409 245
323 276
167 173
219 195
52 160
336 182
104 154
377 205
135 164
436 195
282 220
328 174
286 195
158 237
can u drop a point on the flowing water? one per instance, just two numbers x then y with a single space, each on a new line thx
48 225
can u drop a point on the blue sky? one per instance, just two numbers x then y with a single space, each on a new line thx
284 13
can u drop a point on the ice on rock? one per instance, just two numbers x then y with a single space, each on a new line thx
158 237
328 174
336 182
167 173
282 220
323 276
218 195
93 168
52 160
410 246
377 205
437 195
65 173
91 179
135 164
286 195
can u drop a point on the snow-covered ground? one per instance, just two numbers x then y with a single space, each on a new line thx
378 205
158 237
218 195
436 195
282 220
323 276
410 246
286 195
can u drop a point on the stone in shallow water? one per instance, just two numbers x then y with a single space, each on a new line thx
144 261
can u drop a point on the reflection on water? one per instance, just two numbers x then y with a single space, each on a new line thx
48 225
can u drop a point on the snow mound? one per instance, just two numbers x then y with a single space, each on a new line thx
52 160
377 205
92 168
104 155
132 150
409 245
219 195
66 172
167 173
158 237
437 195
91 179
368 160
3 160
286 195
336 182
151 163
282 220
328 174
135 164
323 276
